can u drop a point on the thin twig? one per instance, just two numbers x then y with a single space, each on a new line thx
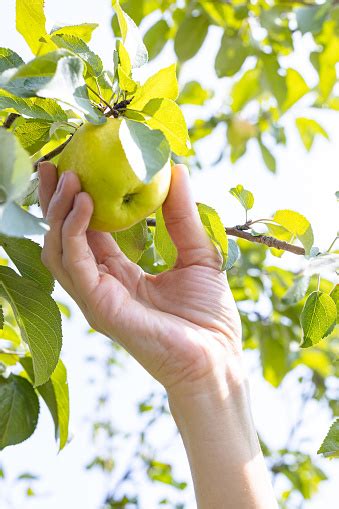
332 243
266 240
9 120
98 95
52 153
236 231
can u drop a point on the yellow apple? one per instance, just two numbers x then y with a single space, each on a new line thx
120 198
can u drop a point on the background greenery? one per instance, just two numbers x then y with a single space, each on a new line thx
256 86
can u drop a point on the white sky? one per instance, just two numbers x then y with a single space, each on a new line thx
305 182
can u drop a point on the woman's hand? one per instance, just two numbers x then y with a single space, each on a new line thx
181 325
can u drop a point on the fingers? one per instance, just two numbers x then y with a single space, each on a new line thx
56 208
108 254
104 247
77 257
59 207
47 183
184 225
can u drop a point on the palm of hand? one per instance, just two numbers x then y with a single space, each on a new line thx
186 317
181 325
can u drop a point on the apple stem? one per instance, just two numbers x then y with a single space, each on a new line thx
99 96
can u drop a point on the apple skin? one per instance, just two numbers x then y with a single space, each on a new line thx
120 198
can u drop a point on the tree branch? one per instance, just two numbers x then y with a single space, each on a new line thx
236 231
9 120
52 153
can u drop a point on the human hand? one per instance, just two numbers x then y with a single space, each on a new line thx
182 325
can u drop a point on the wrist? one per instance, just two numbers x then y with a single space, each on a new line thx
221 408
226 386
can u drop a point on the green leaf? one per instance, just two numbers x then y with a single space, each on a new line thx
245 197
39 320
231 56
64 309
215 229
15 171
165 115
55 394
133 241
330 446
245 89
2 318
19 410
279 232
28 477
121 56
335 296
194 93
273 353
17 222
317 318
271 78
126 83
233 254
156 37
222 14
239 131
83 31
94 65
298 225
162 472
15 167
43 109
190 36
308 130
297 291
57 75
147 150
268 158
30 23
33 134
328 59
163 84
296 88
9 359
163 242
10 334
131 37
26 256
9 59
312 17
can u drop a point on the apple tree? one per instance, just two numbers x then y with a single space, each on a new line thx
42 104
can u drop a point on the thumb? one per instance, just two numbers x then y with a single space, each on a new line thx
184 225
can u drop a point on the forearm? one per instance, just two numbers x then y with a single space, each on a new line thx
226 462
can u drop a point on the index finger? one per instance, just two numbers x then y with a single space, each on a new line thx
48 179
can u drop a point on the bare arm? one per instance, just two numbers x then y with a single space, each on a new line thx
226 461
181 325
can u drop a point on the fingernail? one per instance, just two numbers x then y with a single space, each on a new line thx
60 183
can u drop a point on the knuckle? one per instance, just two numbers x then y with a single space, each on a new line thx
177 219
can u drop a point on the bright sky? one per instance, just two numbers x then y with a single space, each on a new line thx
305 182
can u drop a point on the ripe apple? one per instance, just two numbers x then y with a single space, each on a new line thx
120 198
